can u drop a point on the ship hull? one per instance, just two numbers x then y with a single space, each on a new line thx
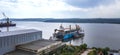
6 25
69 36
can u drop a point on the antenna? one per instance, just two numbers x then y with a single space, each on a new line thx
70 27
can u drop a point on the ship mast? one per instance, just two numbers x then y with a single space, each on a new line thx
7 21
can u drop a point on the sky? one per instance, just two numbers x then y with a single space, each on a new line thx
60 8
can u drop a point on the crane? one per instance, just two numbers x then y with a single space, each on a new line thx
7 21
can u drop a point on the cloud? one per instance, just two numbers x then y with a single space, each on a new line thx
29 8
60 8
111 11
88 3
101 11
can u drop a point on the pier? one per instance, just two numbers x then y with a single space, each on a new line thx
38 47
9 40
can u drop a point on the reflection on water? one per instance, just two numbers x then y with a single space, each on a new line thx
98 35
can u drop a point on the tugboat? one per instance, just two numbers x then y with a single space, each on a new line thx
7 23
67 34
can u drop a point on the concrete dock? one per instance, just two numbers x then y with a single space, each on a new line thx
26 42
36 47
9 40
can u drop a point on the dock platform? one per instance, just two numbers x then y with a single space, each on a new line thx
36 47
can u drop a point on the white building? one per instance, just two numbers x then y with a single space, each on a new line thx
8 40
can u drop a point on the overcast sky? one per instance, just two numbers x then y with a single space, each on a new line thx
60 8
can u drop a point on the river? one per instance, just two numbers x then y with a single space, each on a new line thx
96 34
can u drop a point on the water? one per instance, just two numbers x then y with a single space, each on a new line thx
98 35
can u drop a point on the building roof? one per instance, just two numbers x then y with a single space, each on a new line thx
10 33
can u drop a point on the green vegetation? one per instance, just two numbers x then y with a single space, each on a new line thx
92 52
70 20
77 50
71 50
103 51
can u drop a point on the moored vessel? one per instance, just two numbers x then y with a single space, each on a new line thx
7 23
66 34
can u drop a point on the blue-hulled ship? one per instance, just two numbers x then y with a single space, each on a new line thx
66 34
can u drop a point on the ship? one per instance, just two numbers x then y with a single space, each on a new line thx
7 23
67 34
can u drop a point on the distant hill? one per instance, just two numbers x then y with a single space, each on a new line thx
28 19
85 20
71 20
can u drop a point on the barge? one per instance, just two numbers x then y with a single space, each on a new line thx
8 23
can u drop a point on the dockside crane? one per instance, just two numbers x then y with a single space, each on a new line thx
7 21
